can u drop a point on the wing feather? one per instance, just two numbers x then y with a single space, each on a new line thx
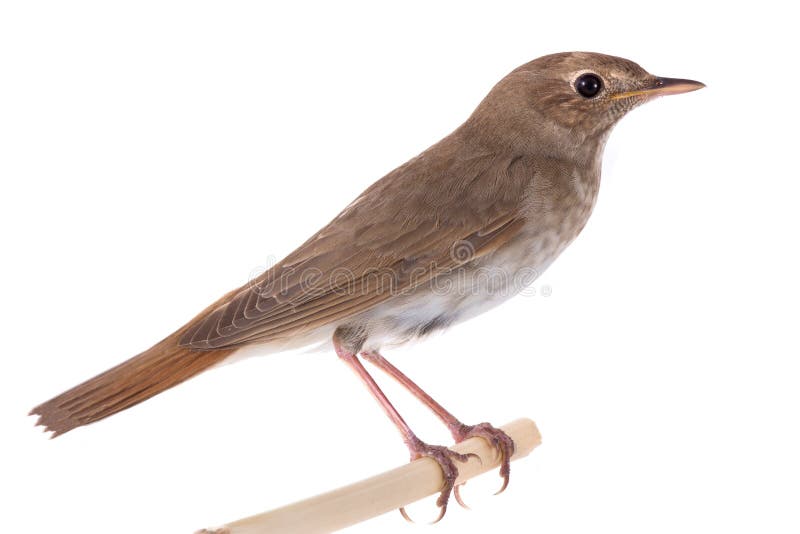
371 252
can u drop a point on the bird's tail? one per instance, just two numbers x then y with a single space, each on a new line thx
157 369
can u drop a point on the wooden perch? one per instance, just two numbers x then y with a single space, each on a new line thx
382 493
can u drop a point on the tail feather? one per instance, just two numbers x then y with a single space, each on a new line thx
157 369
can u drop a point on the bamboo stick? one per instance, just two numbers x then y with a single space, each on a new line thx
382 493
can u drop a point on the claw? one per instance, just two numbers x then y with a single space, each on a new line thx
459 499
446 459
442 510
505 483
498 439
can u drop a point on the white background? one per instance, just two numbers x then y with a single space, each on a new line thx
156 154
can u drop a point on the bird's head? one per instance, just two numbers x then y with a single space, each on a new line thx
571 100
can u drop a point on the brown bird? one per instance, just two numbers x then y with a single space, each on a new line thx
454 231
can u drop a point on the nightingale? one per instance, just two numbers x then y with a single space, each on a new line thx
452 232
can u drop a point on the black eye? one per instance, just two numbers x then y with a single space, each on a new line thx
588 85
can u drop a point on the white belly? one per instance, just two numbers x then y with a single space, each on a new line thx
462 294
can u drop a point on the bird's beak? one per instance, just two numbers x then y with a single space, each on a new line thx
661 87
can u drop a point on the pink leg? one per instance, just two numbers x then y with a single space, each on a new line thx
444 456
496 437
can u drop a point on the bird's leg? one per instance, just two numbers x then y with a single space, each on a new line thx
496 437
445 457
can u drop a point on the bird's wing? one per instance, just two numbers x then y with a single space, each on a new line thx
400 233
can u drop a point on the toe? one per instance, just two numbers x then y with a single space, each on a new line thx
499 440
446 459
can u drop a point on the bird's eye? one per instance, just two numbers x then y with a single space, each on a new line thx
588 85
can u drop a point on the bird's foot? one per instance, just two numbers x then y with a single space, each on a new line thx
446 459
498 439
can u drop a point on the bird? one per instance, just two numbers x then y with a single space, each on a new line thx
451 233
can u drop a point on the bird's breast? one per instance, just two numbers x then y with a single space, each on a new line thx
468 290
